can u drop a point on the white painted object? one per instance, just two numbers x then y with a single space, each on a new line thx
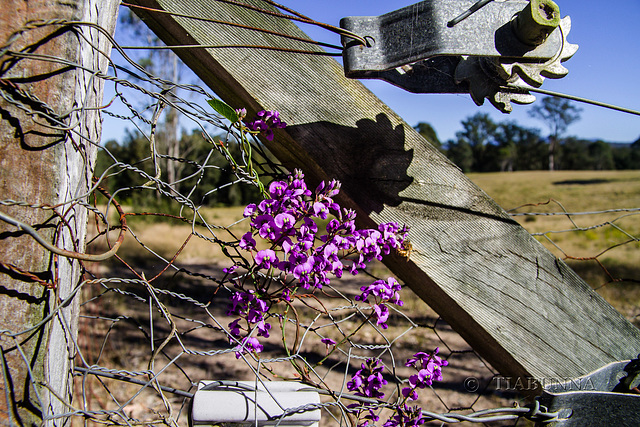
250 403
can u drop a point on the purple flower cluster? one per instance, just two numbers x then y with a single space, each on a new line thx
368 382
429 367
382 293
266 122
308 256
406 416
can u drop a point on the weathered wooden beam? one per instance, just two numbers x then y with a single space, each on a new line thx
522 309
42 163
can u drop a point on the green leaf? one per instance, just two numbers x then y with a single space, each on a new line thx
224 109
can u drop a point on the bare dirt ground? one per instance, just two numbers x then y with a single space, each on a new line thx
174 327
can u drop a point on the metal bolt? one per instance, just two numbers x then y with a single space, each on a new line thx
536 21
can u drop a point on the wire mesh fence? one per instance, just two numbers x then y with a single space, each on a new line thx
167 252
590 222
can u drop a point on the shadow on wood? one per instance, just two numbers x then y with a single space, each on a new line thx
374 167
522 309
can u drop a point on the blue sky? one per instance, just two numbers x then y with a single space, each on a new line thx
603 69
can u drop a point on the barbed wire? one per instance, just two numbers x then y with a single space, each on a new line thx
153 320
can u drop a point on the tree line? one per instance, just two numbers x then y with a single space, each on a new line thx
201 172
484 145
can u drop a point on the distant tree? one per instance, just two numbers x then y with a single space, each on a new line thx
573 154
426 130
622 157
478 132
460 153
558 114
634 158
165 64
601 156
519 148
205 180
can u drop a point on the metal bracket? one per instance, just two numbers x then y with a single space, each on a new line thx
415 48
607 396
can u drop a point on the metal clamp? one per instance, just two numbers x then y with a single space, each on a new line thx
607 396
496 53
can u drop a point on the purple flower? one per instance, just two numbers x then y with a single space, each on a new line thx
247 242
406 416
330 252
320 210
248 344
277 189
328 341
234 328
238 303
266 258
266 226
368 380
382 315
284 222
429 367
266 122
382 293
268 206
303 272
307 230
263 329
249 210
230 270
241 112
333 226
423 360
255 314
410 393
247 304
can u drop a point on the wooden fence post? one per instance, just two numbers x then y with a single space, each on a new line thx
522 309
43 164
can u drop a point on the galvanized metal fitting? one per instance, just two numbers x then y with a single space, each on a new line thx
536 21
494 53
607 396
247 403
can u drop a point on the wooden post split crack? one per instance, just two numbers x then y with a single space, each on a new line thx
518 306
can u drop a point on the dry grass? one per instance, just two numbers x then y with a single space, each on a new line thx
125 343
603 247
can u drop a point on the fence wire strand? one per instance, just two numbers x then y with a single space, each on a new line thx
152 303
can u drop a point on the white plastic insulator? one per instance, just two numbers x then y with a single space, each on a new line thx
248 403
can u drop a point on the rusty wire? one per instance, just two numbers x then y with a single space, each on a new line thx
153 322
165 312
72 254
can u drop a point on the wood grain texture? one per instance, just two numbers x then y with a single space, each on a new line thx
521 308
43 165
